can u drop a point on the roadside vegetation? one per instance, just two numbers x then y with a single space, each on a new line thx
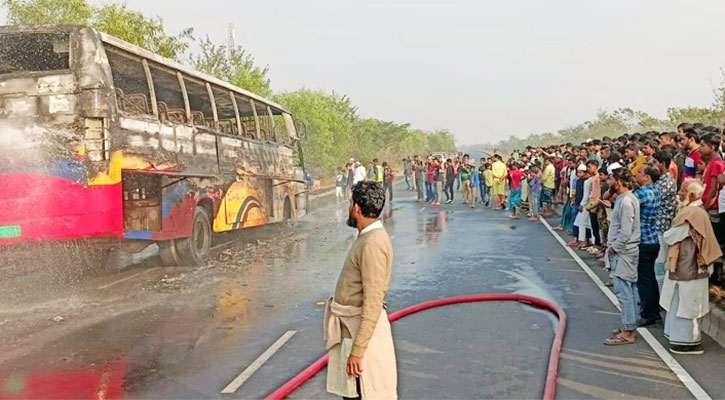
332 130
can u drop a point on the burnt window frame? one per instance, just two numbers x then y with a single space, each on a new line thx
72 39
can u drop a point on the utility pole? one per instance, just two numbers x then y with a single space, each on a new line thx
231 36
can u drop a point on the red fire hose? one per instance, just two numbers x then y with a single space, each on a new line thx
553 369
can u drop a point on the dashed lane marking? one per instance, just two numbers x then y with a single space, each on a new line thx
666 357
253 367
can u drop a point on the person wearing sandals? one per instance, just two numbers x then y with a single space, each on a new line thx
623 251
693 248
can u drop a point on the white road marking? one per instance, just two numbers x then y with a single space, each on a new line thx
253 367
666 357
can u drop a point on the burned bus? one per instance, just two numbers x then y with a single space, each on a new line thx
102 141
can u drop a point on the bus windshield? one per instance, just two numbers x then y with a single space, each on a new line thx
33 52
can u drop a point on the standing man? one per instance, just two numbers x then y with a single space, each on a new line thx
408 172
692 148
693 250
649 198
499 173
378 172
668 205
350 177
464 171
419 172
548 183
440 174
623 241
488 182
450 180
482 182
388 180
709 146
356 328
359 174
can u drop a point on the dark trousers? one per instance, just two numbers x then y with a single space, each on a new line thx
649 294
719 229
448 190
388 186
429 196
595 228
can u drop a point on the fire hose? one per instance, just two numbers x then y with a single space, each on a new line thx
552 371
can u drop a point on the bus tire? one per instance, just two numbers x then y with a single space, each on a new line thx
167 252
193 250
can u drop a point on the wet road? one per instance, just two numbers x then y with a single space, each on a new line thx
151 332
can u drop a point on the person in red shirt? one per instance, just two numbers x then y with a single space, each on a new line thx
693 153
516 177
715 166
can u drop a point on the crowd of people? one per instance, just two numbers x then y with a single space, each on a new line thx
650 206
355 172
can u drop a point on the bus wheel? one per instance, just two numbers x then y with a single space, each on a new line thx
193 250
287 209
167 252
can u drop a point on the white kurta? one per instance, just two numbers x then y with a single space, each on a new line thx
582 218
693 295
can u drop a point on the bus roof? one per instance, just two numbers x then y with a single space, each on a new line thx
141 52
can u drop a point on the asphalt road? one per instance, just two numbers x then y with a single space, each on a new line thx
152 332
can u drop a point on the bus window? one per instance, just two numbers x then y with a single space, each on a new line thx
225 110
169 97
246 114
129 80
280 127
265 126
32 52
201 111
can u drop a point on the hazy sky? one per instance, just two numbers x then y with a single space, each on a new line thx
483 69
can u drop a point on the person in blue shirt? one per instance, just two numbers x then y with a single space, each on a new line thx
649 204
474 184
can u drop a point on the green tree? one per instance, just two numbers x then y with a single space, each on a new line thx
327 121
73 12
707 116
237 68
114 19
147 32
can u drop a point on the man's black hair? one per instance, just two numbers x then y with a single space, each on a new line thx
664 157
684 126
691 132
712 139
624 176
653 173
614 157
370 196
593 162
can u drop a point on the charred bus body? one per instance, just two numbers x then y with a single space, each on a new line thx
100 139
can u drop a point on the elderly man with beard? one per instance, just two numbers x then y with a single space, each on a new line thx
356 328
693 249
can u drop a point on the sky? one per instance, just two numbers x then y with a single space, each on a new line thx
482 69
